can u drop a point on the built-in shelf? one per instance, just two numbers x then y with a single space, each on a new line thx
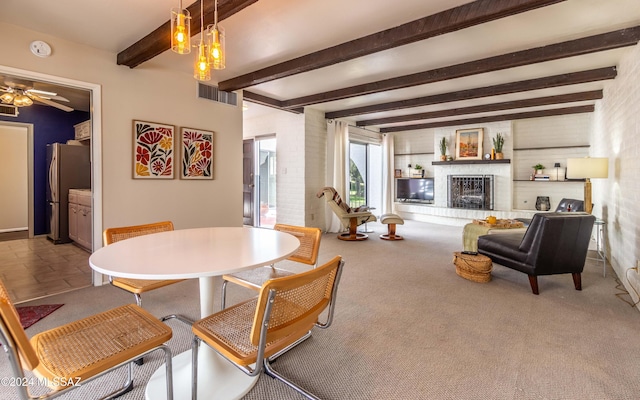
554 147
460 162
565 181
413 154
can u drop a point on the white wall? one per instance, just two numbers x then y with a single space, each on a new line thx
149 93
14 176
616 199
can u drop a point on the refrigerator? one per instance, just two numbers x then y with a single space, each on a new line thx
69 167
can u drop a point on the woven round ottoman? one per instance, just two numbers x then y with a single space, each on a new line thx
474 267
391 220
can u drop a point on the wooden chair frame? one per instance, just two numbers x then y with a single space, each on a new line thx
80 363
270 331
137 286
307 254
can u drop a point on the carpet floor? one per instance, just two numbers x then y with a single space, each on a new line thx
408 327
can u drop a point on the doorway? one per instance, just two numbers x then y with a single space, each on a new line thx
266 178
16 182
51 258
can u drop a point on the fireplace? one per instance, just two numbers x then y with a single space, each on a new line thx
474 192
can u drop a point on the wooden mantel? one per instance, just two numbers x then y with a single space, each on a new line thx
460 162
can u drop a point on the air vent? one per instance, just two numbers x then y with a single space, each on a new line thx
213 93
9 111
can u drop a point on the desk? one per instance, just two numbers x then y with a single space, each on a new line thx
201 253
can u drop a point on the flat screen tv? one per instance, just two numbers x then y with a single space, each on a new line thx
414 189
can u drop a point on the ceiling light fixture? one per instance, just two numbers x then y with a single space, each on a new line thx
201 67
17 97
180 30
215 36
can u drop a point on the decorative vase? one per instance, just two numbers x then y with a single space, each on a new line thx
499 156
443 158
539 171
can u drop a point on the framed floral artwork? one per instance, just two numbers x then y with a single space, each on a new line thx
153 155
469 144
197 154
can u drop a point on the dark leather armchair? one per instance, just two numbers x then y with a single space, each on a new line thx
554 243
565 205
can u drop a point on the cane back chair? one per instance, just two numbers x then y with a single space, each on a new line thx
283 313
137 286
307 254
75 353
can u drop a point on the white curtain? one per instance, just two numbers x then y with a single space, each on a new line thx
388 165
336 175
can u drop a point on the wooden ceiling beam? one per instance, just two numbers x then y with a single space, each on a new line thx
572 48
506 88
493 118
473 13
267 101
159 40
507 105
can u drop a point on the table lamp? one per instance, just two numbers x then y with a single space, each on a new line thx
587 168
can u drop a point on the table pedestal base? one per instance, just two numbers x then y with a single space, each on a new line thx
217 378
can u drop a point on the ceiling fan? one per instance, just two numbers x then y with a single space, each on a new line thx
21 96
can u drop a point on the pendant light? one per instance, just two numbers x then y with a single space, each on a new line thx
201 67
215 35
180 30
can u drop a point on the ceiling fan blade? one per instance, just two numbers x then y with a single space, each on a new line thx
51 103
46 95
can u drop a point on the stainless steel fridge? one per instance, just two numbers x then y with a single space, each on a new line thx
69 167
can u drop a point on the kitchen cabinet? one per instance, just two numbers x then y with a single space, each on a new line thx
83 130
80 217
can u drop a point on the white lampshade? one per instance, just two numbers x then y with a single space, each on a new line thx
580 168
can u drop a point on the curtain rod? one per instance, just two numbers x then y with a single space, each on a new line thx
359 127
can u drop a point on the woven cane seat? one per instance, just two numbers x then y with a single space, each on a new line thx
89 346
75 353
474 267
307 253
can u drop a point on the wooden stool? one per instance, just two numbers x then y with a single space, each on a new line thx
391 220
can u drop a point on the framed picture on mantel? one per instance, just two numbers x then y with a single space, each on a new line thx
469 144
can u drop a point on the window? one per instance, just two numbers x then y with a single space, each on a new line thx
365 174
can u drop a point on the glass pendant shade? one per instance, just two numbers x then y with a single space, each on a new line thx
7 98
180 31
215 35
201 67
22 100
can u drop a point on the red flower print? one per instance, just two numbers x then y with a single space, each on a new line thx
142 155
205 149
150 137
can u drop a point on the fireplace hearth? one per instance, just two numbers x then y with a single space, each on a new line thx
473 192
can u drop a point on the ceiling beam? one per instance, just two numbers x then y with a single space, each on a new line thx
572 48
267 101
493 118
473 13
159 40
507 105
506 88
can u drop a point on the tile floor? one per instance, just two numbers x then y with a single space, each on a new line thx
35 268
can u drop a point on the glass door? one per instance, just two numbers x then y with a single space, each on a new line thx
266 181
365 175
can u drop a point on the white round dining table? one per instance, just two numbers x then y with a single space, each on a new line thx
202 253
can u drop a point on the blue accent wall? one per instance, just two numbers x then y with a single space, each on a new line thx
50 125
